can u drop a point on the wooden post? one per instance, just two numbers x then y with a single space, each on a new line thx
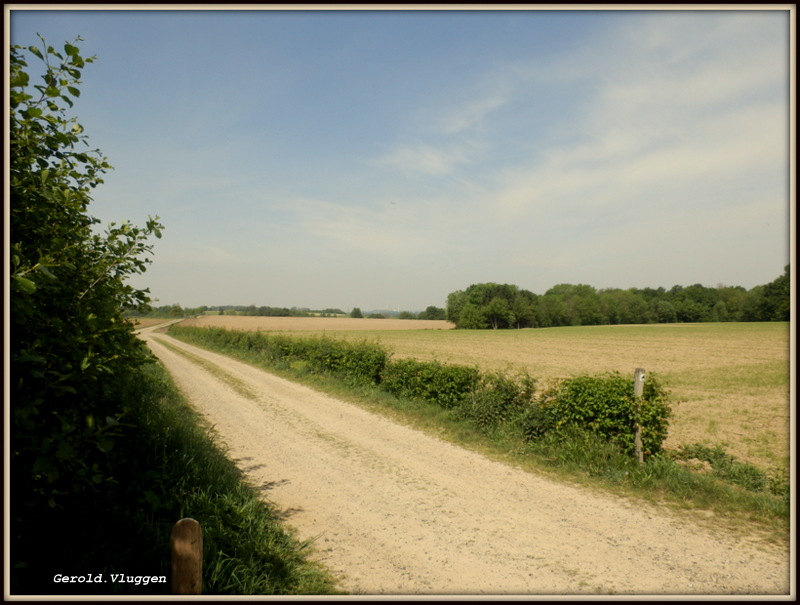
638 389
187 557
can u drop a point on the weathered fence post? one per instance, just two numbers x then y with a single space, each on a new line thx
187 557
638 389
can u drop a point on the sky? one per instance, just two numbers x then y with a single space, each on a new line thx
383 159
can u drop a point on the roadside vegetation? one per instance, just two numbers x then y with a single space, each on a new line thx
579 429
104 455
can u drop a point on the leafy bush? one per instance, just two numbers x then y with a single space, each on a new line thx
498 399
445 385
71 346
359 362
603 404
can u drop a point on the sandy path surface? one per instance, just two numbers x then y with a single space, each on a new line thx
396 511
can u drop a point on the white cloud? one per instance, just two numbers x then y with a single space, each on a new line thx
427 159
470 115
673 113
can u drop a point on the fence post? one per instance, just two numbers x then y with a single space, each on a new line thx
186 542
638 389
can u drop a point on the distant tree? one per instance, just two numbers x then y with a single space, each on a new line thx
664 312
433 313
332 312
491 305
406 315
720 311
575 305
523 309
356 313
498 313
777 298
455 304
472 317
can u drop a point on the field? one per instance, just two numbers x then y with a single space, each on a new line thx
730 380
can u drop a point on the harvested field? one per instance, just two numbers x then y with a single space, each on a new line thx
315 324
731 380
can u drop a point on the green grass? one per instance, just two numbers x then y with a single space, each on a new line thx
171 466
719 498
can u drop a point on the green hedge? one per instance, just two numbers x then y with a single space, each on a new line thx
499 399
442 384
603 404
355 361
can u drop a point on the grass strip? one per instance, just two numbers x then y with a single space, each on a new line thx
170 465
237 385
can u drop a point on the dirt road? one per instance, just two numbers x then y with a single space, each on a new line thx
400 512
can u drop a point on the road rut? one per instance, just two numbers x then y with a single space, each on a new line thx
397 511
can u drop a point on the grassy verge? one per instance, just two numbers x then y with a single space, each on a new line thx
172 466
715 492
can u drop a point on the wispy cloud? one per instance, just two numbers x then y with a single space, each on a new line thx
426 159
472 114
653 130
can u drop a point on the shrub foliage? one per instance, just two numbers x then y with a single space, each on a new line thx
442 384
499 399
605 405
70 345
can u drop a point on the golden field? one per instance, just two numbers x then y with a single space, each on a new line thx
730 381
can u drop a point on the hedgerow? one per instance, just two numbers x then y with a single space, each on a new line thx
442 384
360 362
603 404
499 399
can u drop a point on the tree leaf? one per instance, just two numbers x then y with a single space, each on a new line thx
105 444
24 284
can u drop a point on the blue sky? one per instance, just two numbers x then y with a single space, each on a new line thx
383 159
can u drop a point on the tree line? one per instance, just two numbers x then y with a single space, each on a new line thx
176 310
491 305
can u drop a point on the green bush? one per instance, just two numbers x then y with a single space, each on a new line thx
603 404
358 362
442 384
498 399
71 347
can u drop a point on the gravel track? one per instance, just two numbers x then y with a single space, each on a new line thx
398 512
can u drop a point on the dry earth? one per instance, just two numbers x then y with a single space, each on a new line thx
396 511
